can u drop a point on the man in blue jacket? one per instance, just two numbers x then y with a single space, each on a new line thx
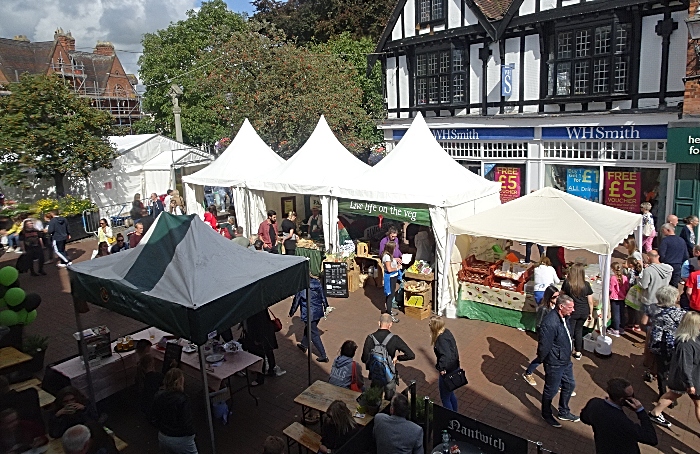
319 303
554 351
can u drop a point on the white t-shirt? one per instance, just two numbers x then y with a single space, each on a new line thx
386 258
544 276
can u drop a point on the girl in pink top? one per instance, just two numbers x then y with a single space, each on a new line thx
619 286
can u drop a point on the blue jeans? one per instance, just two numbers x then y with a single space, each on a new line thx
315 338
528 250
533 366
209 198
13 240
538 296
176 445
448 398
619 314
556 377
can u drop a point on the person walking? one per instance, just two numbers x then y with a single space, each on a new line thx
663 330
289 233
578 288
551 294
346 372
554 349
690 265
267 232
136 208
172 415
654 276
545 275
619 286
319 303
157 205
528 251
60 234
104 232
688 233
375 343
33 245
673 251
259 339
613 431
445 348
684 372
692 290
648 227
391 277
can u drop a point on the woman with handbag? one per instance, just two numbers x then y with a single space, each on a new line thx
319 303
104 233
346 372
445 348
259 338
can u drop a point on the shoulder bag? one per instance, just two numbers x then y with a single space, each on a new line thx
277 323
455 379
354 385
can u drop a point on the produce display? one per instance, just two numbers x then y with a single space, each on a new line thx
416 286
501 274
420 267
307 244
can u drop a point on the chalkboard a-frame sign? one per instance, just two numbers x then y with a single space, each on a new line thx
335 278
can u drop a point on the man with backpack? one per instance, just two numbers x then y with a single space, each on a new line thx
380 356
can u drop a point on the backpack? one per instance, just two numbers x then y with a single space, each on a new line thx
225 233
380 365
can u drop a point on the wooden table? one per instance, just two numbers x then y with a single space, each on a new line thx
45 399
10 356
321 394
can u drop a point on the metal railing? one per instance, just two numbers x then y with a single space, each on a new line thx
116 216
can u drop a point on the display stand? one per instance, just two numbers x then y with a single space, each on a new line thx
418 312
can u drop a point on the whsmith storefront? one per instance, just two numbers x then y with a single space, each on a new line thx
618 159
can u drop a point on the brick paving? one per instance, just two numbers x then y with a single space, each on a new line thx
494 356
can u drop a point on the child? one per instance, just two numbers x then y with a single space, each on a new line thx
619 286
648 228
545 275
13 236
633 271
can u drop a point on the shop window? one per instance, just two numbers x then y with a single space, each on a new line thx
511 177
441 77
485 149
430 11
639 150
627 187
581 181
589 60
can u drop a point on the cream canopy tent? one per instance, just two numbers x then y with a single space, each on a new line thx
247 156
425 174
551 217
320 167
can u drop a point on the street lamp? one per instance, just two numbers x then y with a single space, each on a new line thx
693 24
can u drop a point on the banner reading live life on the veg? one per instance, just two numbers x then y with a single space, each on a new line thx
509 177
623 190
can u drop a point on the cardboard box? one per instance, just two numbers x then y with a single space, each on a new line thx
419 313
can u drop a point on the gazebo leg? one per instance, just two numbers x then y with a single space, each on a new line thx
203 367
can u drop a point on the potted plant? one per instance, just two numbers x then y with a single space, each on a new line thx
370 400
35 346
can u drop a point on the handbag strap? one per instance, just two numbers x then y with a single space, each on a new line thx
353 376
271 313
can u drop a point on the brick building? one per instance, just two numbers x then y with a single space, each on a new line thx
97 75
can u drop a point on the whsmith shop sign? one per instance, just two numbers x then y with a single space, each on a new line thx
683 145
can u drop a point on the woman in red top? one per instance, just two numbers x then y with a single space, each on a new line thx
210 217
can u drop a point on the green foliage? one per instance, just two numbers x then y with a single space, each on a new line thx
45 205
13 210
284 89
371 396
183 54
317 20
66 206
33 344
46 131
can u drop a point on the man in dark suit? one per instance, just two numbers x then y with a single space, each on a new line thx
554 351
157 206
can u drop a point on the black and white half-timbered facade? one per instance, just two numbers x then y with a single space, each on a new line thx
573 94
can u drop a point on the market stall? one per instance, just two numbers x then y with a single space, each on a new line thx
548 217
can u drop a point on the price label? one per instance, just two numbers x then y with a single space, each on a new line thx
623 190
509 177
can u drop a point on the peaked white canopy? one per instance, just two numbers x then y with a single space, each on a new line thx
319 166
430 175
248 156
553 218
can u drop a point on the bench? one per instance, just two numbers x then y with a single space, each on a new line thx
301 436
45 399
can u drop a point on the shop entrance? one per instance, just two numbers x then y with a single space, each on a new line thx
686 199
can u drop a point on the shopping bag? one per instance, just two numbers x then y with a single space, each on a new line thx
634 298
276 322
455 379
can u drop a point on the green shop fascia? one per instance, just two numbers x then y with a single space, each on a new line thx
683 144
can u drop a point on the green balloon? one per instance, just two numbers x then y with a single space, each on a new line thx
22 317
8 318
31 316
8 275
14 296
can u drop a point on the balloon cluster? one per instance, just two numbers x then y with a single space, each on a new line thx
16 306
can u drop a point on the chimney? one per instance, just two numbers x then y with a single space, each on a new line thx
104 48
21 38
66 40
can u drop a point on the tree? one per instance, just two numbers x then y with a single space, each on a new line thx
283 89
46 131
180 54
306 21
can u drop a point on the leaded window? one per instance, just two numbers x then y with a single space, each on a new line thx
441 77
430 10
589 60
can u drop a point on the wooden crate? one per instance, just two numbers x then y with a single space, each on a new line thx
353 280
419 313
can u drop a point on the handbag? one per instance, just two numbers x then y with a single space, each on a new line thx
277 323
455 379
354 385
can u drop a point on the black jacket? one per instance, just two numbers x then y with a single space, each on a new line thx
685 236
172 414
673 250
554 346
445 349
684 372
394 344
58 228
613 431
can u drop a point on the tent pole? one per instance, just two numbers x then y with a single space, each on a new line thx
308 325
203 367
639 235
86 361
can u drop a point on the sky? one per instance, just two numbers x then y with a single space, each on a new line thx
122 22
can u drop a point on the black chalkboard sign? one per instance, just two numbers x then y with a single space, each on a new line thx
335 278
173 352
